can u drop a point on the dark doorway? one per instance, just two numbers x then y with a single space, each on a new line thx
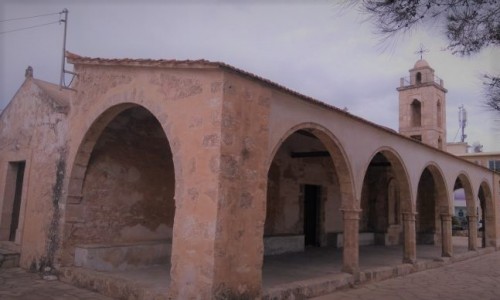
311 214
16 205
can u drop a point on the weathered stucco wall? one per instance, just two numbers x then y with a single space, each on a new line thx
242 181
188 104
33 129
128 191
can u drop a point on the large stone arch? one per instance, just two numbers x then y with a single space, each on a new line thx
488 214
108 119
337 153
386 202
400 175
463 182
332 150
434 209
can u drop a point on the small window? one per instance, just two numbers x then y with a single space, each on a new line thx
418 78
416 113
494 165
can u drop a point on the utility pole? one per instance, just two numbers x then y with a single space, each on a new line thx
64 20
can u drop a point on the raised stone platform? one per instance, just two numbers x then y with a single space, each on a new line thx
283 244
123 256
9 259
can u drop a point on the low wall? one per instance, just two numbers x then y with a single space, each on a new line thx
283 244
123 256
365 239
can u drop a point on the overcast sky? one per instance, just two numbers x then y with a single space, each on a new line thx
308 46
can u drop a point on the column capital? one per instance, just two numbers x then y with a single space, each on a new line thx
409 216
351 213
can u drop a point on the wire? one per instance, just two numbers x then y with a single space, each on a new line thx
24 28
32 17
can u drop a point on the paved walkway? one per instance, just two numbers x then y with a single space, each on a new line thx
477 278
17 284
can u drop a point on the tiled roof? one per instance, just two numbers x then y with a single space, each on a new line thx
200 63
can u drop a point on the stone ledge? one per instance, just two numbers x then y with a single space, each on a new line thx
9 259
123 256
283 244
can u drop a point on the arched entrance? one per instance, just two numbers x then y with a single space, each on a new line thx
309 186
385 199
121 208
464 218
433 222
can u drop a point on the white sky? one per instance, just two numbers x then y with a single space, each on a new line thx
308 46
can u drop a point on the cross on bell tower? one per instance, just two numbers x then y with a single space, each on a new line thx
422 103
421 51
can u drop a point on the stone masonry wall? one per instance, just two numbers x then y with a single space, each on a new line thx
129 185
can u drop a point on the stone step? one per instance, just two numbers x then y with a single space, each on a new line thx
9 259
150 283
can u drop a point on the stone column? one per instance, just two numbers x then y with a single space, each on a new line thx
447 250
410 241
472 221
351 240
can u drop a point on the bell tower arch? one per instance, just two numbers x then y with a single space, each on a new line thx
422 103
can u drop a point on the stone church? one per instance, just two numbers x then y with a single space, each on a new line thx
216 181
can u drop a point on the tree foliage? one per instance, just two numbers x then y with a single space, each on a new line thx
469 25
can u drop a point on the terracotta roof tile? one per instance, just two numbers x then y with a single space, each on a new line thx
77 59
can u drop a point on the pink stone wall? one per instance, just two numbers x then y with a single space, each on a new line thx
33 129
128 191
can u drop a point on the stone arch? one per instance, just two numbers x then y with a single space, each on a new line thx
416 113
462 182
386 201
400 175
337 153
488 214
439 111
308 157
434 209
146 219
418 78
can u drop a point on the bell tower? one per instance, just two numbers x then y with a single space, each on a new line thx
422 106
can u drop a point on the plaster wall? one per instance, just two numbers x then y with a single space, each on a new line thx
33 129
128 190
188 106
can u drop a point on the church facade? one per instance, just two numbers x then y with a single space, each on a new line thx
205 168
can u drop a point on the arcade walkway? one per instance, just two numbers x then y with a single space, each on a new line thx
314 272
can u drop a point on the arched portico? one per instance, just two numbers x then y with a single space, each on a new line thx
386 203
309 176
119 196
433 222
